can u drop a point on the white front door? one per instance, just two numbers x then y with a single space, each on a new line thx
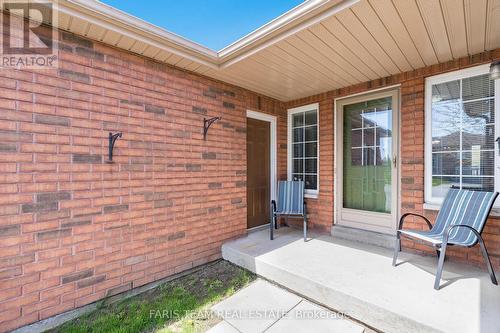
367 161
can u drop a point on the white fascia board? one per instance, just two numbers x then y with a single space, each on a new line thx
113 19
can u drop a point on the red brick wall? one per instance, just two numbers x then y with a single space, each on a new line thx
74 229
412 153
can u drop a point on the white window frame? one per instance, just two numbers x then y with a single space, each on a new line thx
430 202
310 107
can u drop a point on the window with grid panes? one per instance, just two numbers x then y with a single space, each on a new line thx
303 146
461 133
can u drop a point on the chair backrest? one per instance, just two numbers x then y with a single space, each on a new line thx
291 197
464 207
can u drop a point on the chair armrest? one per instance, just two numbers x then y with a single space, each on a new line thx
449 228
401 220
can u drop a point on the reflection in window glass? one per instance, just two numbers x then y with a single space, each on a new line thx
463 133
367 155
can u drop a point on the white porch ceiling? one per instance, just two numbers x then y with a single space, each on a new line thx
331 44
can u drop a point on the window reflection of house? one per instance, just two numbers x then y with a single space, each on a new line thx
371 137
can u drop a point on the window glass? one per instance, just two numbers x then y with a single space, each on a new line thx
305 148
463 134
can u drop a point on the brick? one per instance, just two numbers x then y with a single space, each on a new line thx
407 180
199 110
74 76
87 158
9 147
214 185
75 222
236 200
213 210
154 109
209 93
114 209
89 53
16 260
131 102
148 196
215 90
177 235
119 289
229 93
193 167
133 260
209 155
90 281
53 234
163 203
72 38
53 196
10 230
228 105
77 276
241 184
155 65
10 272
39 207
51 120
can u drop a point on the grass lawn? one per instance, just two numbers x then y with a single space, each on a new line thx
180 305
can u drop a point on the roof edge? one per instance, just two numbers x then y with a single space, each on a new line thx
277 23
294 20
110 14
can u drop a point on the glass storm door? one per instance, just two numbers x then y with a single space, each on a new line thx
368 146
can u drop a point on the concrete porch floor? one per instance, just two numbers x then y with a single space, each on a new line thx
358 280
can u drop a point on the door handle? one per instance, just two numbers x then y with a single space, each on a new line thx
395 161
498 142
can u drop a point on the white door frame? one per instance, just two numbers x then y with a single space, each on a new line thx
273 149
338 159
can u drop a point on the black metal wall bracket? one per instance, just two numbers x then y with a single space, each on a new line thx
112 139
207 123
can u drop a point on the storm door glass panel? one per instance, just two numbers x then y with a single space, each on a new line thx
367 152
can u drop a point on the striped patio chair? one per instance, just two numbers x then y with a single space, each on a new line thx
460 222
290 203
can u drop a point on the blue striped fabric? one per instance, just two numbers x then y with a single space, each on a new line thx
459 207
290 198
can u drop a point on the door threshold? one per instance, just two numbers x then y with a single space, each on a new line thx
258 228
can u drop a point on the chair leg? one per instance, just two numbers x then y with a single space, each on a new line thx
439 272
487 260
305 221
305 227
273 217
397 249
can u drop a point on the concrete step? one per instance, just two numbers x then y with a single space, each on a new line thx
264 307
358 280
363 236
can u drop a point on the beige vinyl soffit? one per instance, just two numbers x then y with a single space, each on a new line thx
301 17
